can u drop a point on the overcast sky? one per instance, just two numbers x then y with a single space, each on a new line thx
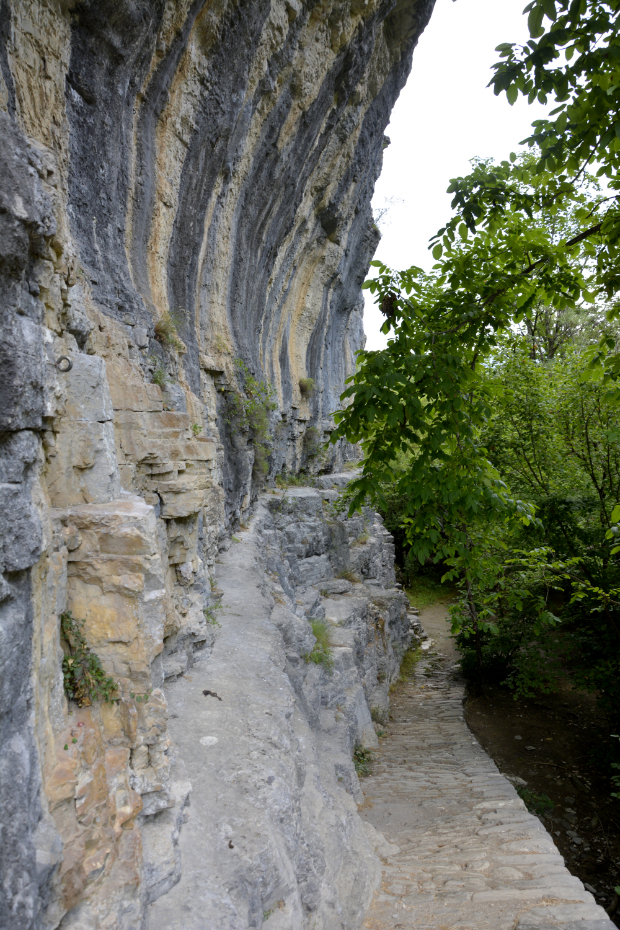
444 116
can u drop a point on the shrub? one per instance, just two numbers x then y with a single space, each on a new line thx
84 677
306 386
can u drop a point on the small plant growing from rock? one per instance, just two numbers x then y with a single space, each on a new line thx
378 714
209 614
287 480
349 576
306 386
166 331
362 760
196 429
84 677
141 698
409 662
160 375
322 650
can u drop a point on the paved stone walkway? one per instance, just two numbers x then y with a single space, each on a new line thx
466 853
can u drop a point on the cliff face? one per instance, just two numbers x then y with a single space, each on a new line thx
184 227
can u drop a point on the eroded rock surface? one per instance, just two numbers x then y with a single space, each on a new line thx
266 736
184 206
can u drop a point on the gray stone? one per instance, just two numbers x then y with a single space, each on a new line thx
141 337
273 818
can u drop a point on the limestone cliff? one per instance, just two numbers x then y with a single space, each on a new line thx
184 227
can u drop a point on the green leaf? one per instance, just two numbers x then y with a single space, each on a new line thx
512 93
534 22
437 251
549 8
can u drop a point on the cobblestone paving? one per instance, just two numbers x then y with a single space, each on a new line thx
466 853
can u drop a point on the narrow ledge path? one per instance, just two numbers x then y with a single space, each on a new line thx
465 853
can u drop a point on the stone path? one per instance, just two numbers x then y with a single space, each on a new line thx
466 853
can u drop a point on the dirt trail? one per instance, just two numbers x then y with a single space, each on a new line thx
465 852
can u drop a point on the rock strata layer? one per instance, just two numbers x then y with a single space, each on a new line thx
184 227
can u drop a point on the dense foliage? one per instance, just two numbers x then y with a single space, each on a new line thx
490 422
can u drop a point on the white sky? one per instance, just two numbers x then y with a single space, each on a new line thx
444 116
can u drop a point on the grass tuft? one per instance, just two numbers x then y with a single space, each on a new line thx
166 331
362 760
322 650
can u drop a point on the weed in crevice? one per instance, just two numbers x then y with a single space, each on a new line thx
160 376
301 480
209 614
141 698
379 715
84 677
166 331
408 665
277 907
196 429
322 650
347 575
362 760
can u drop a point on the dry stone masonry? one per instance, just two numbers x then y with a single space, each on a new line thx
184 206
461 850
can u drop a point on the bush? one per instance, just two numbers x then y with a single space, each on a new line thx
306 386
